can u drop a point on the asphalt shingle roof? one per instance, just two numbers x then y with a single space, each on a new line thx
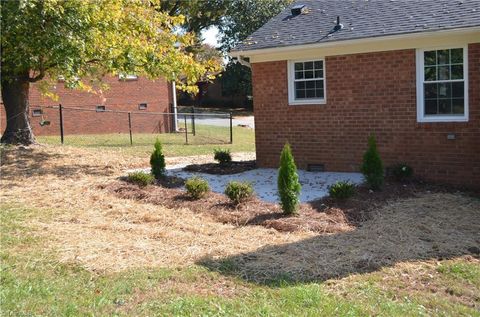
361 19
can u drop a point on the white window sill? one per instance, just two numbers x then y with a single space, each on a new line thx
307 102
442 119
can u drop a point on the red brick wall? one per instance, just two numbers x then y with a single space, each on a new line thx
374 92
121 95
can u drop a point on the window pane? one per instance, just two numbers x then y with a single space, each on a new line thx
458 90
456 55
299 94
430 58
430 73
319 74
443 57
430 90
431 106
443 72
299 75
310 84
319 65
310 93
319 84
308 65
457 71
300 85
458 106
444 90
298 66
309 74
444 106
319 93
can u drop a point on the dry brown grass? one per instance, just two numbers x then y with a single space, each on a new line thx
101 232
106 233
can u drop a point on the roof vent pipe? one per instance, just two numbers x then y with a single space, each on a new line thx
338 26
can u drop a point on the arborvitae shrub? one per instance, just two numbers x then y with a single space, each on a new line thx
288 185
157 161
372 166
401 171
197 187
142 179
239 192
222 156
341 190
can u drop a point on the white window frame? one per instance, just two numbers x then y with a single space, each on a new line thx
421 117
291 84
127 77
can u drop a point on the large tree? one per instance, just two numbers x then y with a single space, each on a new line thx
83 40
242 18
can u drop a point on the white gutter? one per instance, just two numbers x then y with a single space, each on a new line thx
418 35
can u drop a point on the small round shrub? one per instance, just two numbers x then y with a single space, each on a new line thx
197 187
239 192
157 161
142 179
341 190
401 171
222 156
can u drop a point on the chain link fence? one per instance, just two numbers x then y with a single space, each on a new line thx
95 126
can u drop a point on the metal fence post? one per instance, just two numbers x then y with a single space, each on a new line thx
231 128
130 127
186 130
60 111
193 120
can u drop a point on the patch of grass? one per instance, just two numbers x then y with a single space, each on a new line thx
34 282
206 140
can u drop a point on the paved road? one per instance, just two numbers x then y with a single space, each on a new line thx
223 121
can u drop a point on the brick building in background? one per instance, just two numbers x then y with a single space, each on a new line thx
133 94
327 75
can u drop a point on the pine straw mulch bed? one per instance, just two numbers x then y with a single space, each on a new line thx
222 169
325 215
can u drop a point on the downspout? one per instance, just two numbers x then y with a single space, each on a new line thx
174 101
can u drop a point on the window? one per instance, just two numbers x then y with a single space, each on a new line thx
37 112
100 108
142 106
306 82
442 85
127 77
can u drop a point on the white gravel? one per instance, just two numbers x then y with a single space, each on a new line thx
264 180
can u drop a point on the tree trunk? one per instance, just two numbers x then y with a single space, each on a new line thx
15 100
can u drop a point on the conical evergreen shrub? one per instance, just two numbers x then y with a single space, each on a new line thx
372 166
288 185
157 161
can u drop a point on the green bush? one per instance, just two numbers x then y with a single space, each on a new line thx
372 166
401 171
288 185
239 192
157 161
341 190
222 156
142 179
197 187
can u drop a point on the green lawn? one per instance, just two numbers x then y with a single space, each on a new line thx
34 283
206 139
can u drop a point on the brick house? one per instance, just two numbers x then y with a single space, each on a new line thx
130 93
326 74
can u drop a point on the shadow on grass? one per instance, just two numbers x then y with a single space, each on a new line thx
32 162
434 226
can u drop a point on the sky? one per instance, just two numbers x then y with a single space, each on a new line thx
210 36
